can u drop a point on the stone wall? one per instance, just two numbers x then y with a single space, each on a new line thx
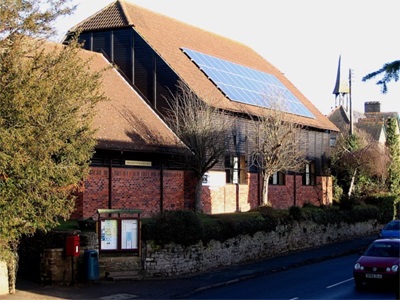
58 268
112 263
173 260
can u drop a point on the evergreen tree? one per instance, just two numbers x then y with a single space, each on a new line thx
393 144
47 95
390 72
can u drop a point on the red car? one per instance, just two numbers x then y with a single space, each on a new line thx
379 263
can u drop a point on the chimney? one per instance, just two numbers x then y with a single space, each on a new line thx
372 107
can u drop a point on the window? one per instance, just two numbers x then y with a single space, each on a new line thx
236 169
278 178
332 141
309 176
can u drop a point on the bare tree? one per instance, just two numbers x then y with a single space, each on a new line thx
277 144
359 154
202 128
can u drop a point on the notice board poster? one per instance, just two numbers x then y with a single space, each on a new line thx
109 234
129 234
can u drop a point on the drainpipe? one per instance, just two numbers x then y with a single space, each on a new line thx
110 185
294 189
258 187
237 197
161 188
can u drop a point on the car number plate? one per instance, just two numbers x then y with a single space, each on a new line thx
378 276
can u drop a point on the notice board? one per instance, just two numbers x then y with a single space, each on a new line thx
119 233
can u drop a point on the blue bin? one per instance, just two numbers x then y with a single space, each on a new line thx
91 258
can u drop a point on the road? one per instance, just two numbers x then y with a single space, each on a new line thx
331 279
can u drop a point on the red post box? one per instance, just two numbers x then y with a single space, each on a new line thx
72 245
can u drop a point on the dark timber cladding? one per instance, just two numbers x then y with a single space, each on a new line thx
137 62
115 44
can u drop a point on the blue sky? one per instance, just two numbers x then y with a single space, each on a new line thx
302 38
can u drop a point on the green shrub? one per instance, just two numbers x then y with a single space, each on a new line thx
347 203
387 206
186 227
322 216
310 205
295 213
181 227
363 213
225 226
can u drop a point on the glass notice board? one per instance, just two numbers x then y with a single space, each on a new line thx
118 230
119 234
109 235
129 234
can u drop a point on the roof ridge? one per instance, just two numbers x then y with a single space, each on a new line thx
129 3
167 35
120 7
123 4
74 28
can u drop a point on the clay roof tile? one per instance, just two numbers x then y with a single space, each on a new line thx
167 36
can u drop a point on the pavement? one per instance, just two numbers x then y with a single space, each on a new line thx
183 287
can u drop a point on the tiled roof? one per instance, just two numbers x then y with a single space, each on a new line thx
124 121
372 125
382 115
167 36
111 16
375 129
340 118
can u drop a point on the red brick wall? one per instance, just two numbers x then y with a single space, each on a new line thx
189 191
94 194
283 196
174 194
224 199
132 188
254 190
135 188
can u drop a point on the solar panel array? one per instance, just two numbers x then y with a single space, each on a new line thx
246 85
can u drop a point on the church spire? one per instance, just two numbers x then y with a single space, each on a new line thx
341 89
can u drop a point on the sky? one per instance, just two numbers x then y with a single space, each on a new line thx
302 38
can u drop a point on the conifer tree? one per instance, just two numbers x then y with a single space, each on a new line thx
389 71
47 96
393 144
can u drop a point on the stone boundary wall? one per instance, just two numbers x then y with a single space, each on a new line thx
174 260
56 267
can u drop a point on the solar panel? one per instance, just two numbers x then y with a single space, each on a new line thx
246 85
